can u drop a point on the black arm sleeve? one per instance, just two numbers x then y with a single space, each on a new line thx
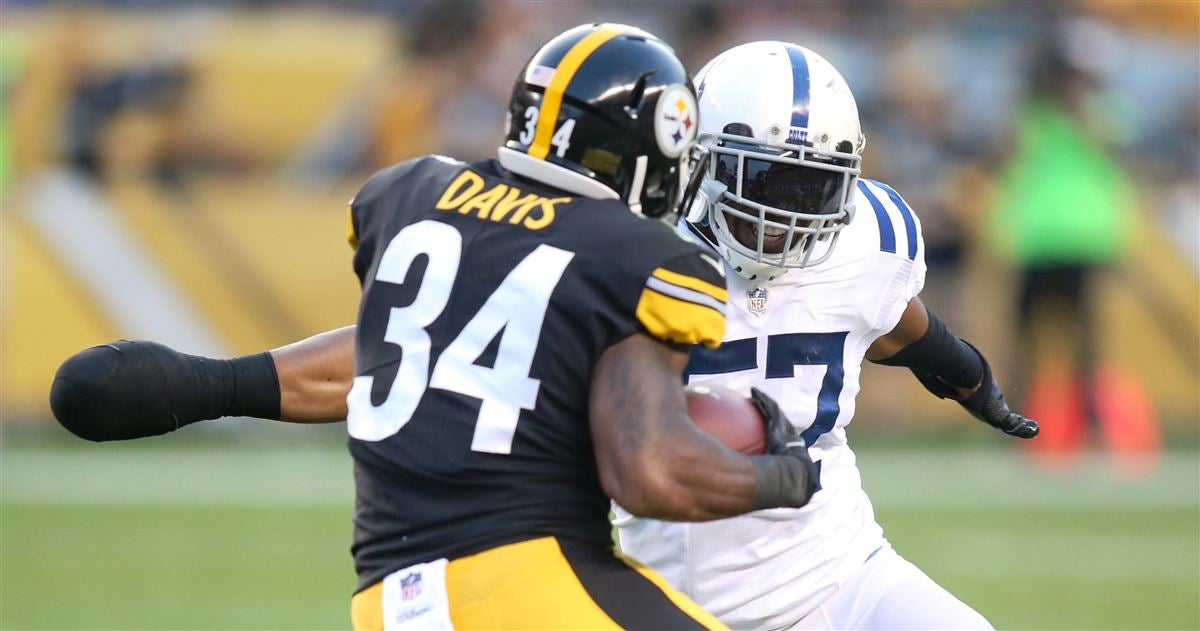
944 364
133 389
939 354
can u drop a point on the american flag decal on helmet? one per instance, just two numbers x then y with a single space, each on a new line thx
539 75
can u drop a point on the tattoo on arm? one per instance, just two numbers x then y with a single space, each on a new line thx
626 397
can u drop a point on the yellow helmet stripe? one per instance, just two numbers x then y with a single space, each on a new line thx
552 100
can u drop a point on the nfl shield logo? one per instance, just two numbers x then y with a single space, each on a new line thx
756 299
410 586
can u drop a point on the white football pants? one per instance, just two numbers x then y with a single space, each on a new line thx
891 594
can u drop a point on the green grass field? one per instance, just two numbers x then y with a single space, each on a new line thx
166 534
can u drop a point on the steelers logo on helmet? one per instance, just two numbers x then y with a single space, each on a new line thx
675 120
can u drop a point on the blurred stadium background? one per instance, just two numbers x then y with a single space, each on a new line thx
179 172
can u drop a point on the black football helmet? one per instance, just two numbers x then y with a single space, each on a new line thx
607 110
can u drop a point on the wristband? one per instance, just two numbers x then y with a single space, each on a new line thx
255 387
785 480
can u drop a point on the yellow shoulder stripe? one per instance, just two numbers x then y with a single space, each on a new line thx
680 321
351 234
552 99
691 282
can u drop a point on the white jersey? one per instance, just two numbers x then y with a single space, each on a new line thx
801 339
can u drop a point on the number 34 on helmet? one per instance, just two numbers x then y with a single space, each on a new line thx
608 109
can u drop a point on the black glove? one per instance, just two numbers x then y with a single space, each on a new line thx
133 389
786 475
781 434
986 404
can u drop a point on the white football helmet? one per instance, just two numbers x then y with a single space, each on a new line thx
786 149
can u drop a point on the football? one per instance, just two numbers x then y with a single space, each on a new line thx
728 416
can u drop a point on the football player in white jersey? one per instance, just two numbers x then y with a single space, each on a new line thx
825 271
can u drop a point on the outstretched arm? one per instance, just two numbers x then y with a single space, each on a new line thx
948 367
654 461
133 389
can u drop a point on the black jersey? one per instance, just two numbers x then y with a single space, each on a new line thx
487 300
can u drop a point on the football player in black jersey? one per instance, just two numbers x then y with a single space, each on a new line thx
517 359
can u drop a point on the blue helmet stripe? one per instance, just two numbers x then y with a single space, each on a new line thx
887 234
800 86
910 225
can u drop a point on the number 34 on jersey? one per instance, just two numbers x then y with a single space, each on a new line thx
518 307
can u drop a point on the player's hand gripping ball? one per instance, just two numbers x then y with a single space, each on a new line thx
728 416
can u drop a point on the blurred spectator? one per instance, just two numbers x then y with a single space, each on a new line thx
1172 157
149 92
915 150
432 48
10 74
1065 212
